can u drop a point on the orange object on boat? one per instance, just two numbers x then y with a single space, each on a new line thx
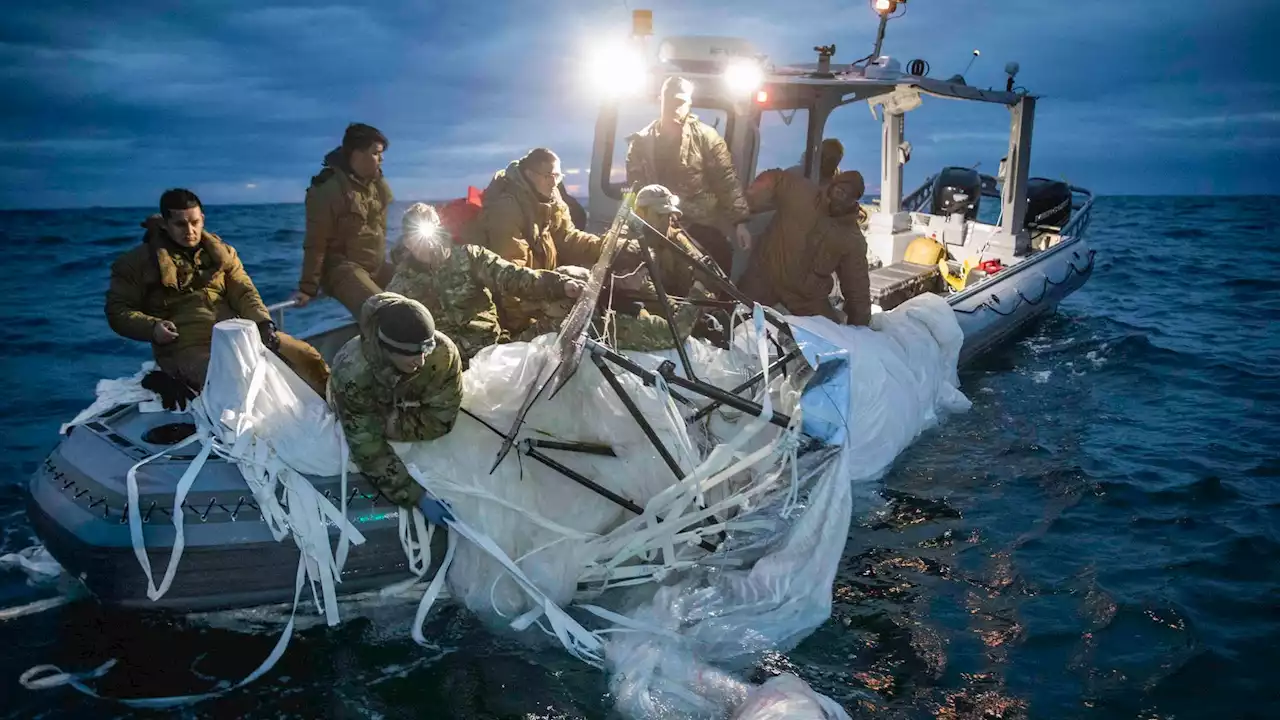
456 215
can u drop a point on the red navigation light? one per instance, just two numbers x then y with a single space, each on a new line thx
762 96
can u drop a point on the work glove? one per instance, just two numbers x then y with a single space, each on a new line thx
436 511
174 393
270 339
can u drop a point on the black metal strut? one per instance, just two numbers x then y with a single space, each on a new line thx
532 451
774 367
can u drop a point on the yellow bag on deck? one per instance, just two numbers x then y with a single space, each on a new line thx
957 282
924 251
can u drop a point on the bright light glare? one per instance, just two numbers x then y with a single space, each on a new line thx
422 234
425 229
884 6
616 71
743 77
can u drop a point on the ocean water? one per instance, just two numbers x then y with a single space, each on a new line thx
1099 537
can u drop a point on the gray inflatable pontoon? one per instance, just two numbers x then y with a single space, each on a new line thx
77 504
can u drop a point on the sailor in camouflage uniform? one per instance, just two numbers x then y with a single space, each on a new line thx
630 326
457 283
401 380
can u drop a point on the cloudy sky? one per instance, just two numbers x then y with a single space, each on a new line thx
240 100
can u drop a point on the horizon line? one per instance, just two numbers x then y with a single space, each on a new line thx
433 201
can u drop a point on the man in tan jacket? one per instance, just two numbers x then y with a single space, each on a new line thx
526 222
687 156
172 289
814 234
344 253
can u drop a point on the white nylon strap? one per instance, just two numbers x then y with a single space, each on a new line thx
44 677
179 496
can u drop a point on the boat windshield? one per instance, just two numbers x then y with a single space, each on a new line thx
633 117
782 139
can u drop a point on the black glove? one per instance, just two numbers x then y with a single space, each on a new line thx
174 393
270 339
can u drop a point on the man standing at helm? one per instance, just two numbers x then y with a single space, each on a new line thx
456 282
690 158
399 379
344 252
526 222
813 235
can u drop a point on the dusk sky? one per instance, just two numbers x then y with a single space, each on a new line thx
240 100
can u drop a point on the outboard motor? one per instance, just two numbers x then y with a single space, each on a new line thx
957 190
1048 202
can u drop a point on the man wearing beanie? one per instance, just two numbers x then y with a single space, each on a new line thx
814 234
344 252
829 156
401 380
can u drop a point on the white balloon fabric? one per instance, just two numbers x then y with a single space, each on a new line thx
625 583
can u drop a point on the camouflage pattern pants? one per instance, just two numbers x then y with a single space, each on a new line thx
192 363
351 284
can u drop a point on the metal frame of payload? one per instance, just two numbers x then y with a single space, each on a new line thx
573 340
1041 263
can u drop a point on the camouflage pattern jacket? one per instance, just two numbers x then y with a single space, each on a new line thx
458 293
346 222
631 328
193 289
530 232
678 275
705 179
376 403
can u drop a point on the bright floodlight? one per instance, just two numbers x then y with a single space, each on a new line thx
616 71
884 6
743 77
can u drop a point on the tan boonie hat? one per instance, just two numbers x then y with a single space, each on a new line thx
659 199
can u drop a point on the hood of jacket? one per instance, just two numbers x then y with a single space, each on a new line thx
372 350
512 181
162 248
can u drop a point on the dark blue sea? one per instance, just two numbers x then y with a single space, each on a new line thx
1098 538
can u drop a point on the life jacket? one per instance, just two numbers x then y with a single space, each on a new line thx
459 216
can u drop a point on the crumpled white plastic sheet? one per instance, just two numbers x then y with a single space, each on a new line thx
35 561
112 392
670 636
674 626
787 697
254 411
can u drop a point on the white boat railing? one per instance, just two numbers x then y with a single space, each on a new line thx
1080 218
280 307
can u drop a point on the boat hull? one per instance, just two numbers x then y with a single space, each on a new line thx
1011 300
77 504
